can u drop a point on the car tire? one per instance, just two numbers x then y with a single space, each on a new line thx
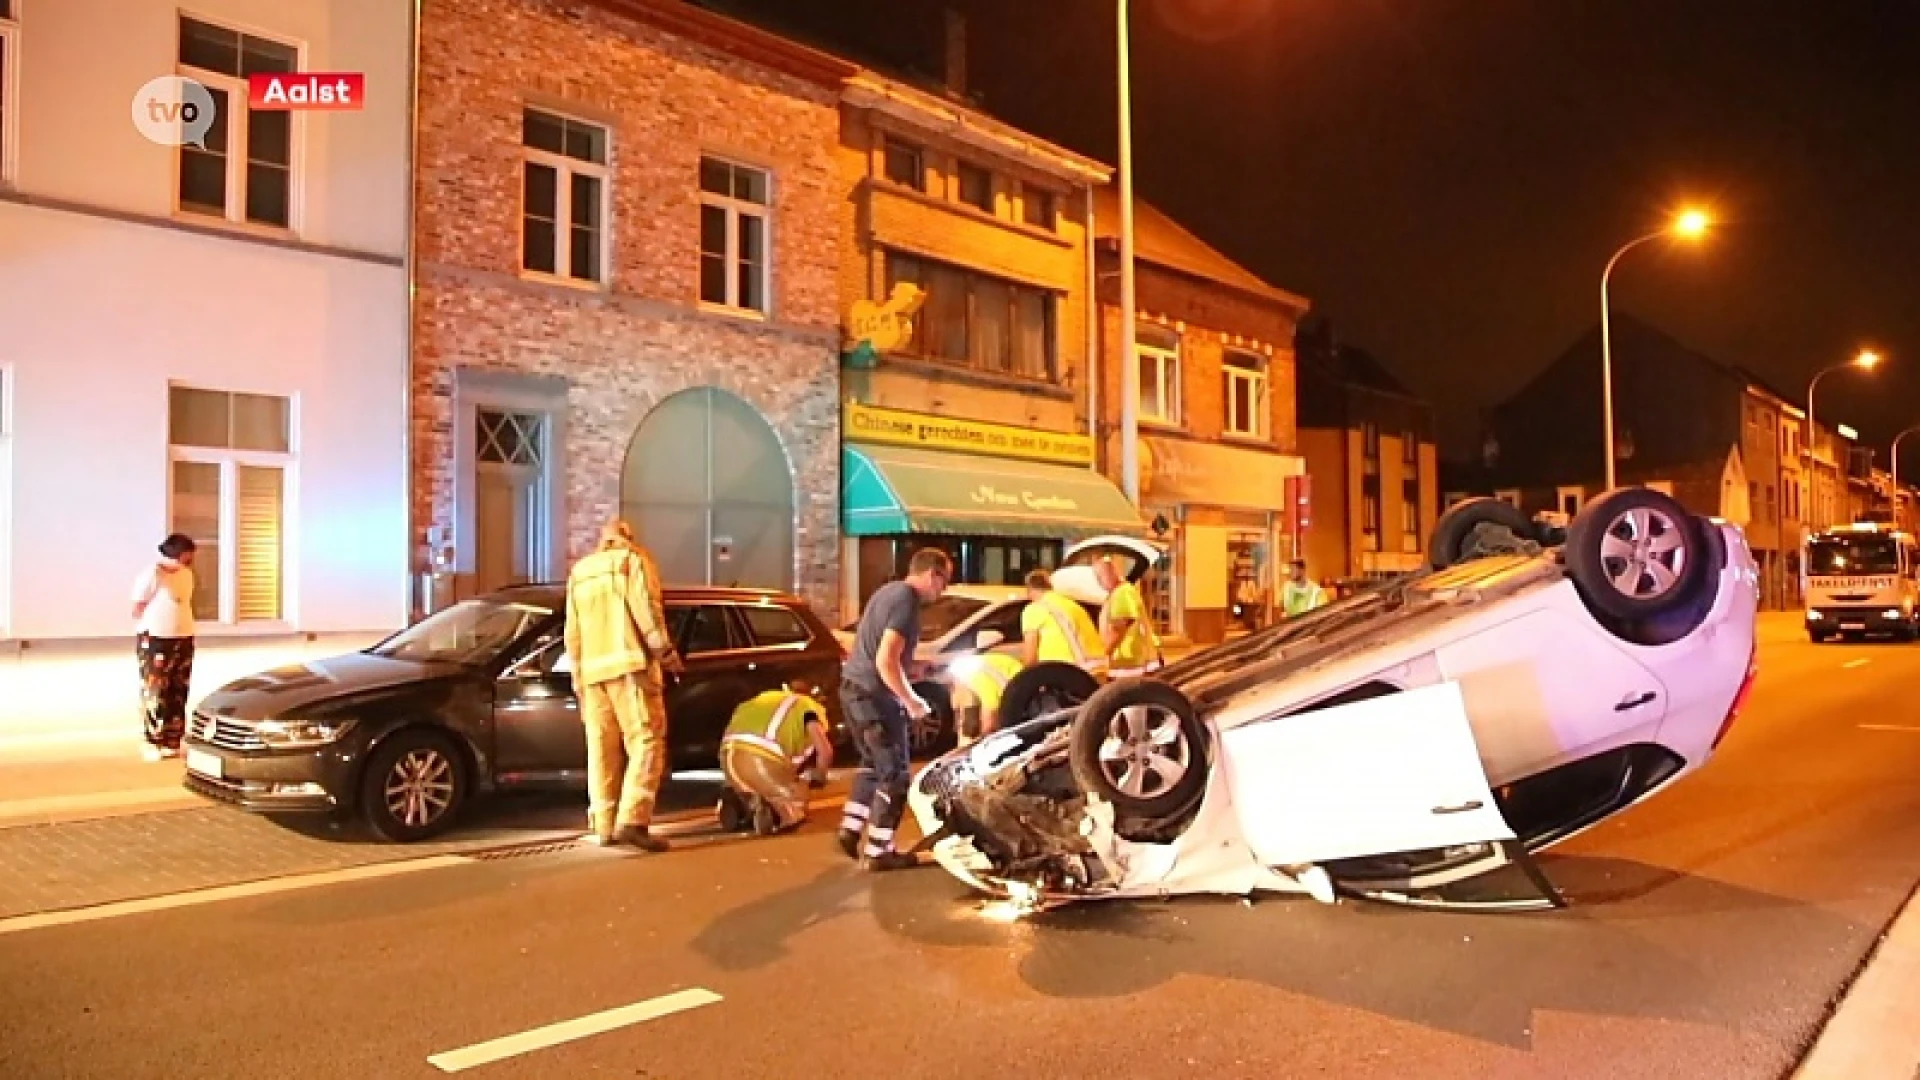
1139 745
1636 553
1448 546
1037 690
935 731
1817 637
414 786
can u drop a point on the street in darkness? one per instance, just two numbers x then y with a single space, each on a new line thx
1709 932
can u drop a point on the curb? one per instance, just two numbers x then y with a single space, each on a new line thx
1870 1034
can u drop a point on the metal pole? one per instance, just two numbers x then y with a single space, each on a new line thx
1129 356
1606 355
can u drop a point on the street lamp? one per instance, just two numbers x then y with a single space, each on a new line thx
1865 360
1129 357
1893 457
1687 225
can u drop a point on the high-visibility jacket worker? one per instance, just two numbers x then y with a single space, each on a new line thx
1056 629
1301 593
984 678
1126 626
766 742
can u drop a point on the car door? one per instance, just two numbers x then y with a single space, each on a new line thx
537 733
1550 687
780 643
721 672
1375 777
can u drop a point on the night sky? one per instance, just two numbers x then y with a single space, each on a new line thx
1445 179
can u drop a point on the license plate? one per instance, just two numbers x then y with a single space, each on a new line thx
1853 626
199 761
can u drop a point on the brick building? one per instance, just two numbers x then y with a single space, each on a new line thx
1217 435
964 280
1370 449
627 214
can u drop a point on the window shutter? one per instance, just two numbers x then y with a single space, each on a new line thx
258 516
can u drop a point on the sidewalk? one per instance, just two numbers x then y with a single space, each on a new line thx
1871 1035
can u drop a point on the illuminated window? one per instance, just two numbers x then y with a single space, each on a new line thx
243 170
1246 394
230 454
563 198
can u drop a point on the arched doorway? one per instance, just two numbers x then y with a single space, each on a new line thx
707 488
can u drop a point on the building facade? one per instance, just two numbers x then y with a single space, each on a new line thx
625 302
1372 464
209 339
965 291
1217 455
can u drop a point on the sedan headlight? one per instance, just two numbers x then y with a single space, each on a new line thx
293 734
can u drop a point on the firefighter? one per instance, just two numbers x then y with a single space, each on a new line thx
1055 629
771 738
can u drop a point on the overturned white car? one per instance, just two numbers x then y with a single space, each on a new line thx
1428 731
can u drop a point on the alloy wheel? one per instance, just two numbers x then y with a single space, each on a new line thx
419 788
1643 553
1145 752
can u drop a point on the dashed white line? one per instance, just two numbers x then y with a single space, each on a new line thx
225 892
1909 728
566 1031
1862 662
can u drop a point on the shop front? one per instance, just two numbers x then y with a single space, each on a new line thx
1001 501
1229 517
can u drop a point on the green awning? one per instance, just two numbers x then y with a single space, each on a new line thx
889 490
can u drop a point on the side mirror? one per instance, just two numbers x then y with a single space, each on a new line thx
987 639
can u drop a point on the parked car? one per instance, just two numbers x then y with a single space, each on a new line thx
1421 733
478 698
972 619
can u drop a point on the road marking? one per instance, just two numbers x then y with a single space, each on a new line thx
44 920
1862 662
567 1031
1890 727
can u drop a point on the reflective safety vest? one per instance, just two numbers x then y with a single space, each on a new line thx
987 679
774 721
1298 598
1070 621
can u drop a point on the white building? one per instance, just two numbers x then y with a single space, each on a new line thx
211 342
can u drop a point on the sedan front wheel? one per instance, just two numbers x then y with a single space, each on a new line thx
413 787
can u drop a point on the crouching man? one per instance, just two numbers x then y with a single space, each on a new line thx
980 681
769 740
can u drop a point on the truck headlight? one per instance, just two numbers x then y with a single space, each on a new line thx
1892 613
1814 616
294 734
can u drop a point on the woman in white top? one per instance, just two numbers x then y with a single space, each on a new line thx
163 614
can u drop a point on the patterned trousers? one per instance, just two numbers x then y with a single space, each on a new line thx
166 674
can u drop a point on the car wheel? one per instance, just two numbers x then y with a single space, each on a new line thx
933 731
1453 538
1044 688
1636 553
414 786
1139 745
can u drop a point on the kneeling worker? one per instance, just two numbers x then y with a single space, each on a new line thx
766 743
982 677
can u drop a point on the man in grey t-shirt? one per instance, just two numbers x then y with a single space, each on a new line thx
878 701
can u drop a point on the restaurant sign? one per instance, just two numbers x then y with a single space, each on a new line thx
894 427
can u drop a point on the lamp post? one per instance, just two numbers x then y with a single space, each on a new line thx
1893 460
1866 360
1129 355
1687 225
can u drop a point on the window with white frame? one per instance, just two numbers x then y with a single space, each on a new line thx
733 235
1510 496
1159 352
243 170
563 198
231 454
1571 499
9 95
1246 393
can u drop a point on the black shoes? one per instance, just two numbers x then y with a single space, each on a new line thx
849 843
892 860
638 836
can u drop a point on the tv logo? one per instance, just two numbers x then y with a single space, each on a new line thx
173 110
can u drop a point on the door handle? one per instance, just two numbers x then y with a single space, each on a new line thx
1635 702
1463 808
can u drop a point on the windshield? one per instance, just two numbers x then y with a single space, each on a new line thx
1853 556
470 632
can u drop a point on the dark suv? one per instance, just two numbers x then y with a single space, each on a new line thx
477 698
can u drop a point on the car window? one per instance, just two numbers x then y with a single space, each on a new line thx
772 626
946 613
1005 618
699 630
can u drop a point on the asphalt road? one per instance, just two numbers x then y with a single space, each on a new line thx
1709 933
